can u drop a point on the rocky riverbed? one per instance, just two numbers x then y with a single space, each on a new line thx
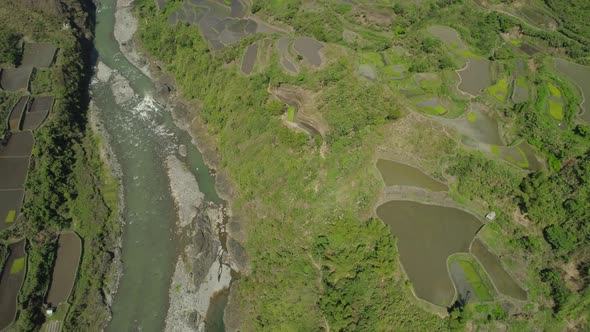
205 251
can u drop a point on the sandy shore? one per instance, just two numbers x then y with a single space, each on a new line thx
125 27
185 190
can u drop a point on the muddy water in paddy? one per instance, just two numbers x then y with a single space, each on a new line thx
580 76
478 125
476 76
10 282
19 145
398 174
520 92
142 134
249 58
448 35
10 204
309 48
465 291
69 248
502 280
426 236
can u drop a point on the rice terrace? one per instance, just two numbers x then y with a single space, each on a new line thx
69 249
294 165
24 116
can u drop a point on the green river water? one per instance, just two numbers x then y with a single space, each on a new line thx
142 135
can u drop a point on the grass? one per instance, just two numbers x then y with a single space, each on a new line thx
391 71
525 162
521 82
468 54
41 82
555 92
495 149
471 117
556 110
17 266
431 84
499 90
11 215
227 2
436 110
372 58
475 280
291 113
515 42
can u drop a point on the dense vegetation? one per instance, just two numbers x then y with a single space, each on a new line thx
9 50
68 187
573 17
315 259
292 244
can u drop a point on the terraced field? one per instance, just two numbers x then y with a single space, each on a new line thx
11 280
69 250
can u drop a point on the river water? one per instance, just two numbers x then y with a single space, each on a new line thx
142 134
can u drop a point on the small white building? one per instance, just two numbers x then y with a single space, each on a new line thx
491 215
50 311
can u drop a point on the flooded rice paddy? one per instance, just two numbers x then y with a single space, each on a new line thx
40 55
465 291
502 280
221 23
287 60
470 279
11 281
37 113
520 91
15 79
309 49
19 145
10 203
14 163
69 249
448 35
580 76
16 115
476 76
249 58
478 125
13 172
426 236
434 106
398 174
522 155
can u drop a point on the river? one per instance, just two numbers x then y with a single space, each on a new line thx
142 135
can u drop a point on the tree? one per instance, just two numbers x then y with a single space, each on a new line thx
560 240
9 50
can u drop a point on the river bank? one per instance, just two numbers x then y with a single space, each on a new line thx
205 231
109 160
